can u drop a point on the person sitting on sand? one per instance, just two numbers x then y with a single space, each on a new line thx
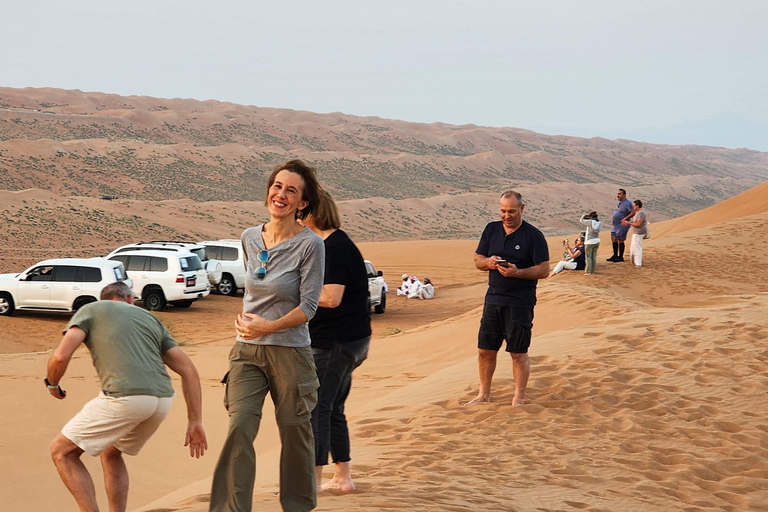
427 290
573 259
405 286
413 286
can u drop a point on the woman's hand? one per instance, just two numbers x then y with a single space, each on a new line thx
250 326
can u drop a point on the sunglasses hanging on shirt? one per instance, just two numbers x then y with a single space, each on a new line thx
262 256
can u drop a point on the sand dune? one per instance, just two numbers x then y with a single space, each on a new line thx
751 202
647 390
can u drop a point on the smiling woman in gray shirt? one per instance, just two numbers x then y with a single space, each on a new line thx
284 277
293 278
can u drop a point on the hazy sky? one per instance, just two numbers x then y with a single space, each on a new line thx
610 68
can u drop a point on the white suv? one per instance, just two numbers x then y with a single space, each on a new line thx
63 284
165 277
229 253
212 267
377 289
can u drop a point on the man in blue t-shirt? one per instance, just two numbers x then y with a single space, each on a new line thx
618 231
516 256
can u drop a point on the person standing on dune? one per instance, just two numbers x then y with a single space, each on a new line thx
341 334
639 224
285 263
515 255
130 350
618 230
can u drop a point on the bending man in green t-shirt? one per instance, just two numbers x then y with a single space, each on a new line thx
130 350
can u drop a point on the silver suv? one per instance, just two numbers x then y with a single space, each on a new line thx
63 284
212 266
229 253
377 289
165 277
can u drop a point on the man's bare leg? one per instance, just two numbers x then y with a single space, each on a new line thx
66 457
115 479
342 479
521 368
487 364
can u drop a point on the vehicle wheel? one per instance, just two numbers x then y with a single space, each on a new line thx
6 304
227 285
183 303
154 300
82 301
382 306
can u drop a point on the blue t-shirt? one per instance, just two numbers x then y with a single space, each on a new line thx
525 248
623 208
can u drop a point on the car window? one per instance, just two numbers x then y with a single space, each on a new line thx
191 263
200 253
64 273
40 273
157 264
369 269
136 263
228 254
90 274
212 252
121 259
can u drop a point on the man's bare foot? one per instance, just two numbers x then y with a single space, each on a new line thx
338 485
518 401
479 400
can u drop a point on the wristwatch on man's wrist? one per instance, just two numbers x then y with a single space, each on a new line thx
57 386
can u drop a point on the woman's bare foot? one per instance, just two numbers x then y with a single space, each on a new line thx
338 485
342 479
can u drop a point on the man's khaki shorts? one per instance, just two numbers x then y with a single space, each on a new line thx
126 423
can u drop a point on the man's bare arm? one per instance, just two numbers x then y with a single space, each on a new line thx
59 360
179 362
538 271
485 263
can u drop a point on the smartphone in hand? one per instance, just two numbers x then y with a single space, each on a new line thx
502 263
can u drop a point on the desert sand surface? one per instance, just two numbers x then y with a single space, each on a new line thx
647 392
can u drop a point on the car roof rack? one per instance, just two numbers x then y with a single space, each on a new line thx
170 242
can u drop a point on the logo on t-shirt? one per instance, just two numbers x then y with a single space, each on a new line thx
517 247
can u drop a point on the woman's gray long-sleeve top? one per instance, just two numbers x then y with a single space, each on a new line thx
295 270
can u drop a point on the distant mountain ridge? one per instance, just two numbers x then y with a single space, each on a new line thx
77 143
394 179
